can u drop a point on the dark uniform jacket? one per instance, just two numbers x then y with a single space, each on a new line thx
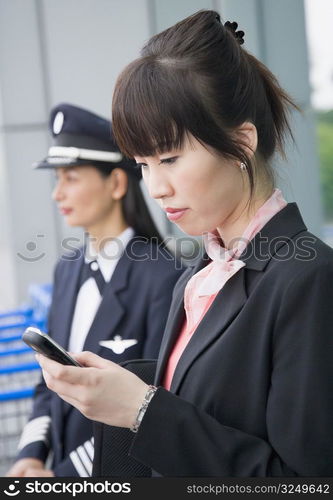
252 394
135 305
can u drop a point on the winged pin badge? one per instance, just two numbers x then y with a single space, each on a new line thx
118 345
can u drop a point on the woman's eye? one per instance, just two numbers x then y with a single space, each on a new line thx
163 161
169 161
71 178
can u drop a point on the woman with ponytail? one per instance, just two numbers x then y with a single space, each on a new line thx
243 384
112 296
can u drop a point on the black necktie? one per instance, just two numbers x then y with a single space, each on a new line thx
91 270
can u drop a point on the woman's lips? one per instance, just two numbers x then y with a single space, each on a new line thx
65 211
174 214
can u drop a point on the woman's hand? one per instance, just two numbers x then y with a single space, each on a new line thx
102 390
31 472
20 468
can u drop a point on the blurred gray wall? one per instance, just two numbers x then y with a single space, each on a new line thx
54 51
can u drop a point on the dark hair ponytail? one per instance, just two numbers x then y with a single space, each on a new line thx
196 78
273 123
134 206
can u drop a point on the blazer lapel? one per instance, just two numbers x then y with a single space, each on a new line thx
66 302
223 310
281 229
175 319
65 310
110 311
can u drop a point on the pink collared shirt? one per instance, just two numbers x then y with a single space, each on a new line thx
203 287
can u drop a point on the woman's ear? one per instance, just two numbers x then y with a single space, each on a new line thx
248 138
118 183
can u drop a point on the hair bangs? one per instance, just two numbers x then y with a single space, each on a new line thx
147 115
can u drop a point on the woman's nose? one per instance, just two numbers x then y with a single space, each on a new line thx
157 184
57 193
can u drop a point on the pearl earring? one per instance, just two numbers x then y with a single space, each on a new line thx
243 166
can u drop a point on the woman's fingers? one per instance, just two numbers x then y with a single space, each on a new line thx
101 390
75 395
31 472
77 386
70 374
63 388
88 358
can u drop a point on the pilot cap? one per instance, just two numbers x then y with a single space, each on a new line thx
81 137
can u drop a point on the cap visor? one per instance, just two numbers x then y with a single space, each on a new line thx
52 162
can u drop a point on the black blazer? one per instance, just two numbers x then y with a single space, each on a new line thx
252 394
135 305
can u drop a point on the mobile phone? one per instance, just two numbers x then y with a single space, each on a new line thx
44 344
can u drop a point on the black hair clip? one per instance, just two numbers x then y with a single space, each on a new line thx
239 35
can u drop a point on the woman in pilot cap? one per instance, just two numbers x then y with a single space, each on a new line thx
111 297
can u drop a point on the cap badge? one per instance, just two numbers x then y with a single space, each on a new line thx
58 122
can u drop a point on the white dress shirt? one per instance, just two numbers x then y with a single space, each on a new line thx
89 299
